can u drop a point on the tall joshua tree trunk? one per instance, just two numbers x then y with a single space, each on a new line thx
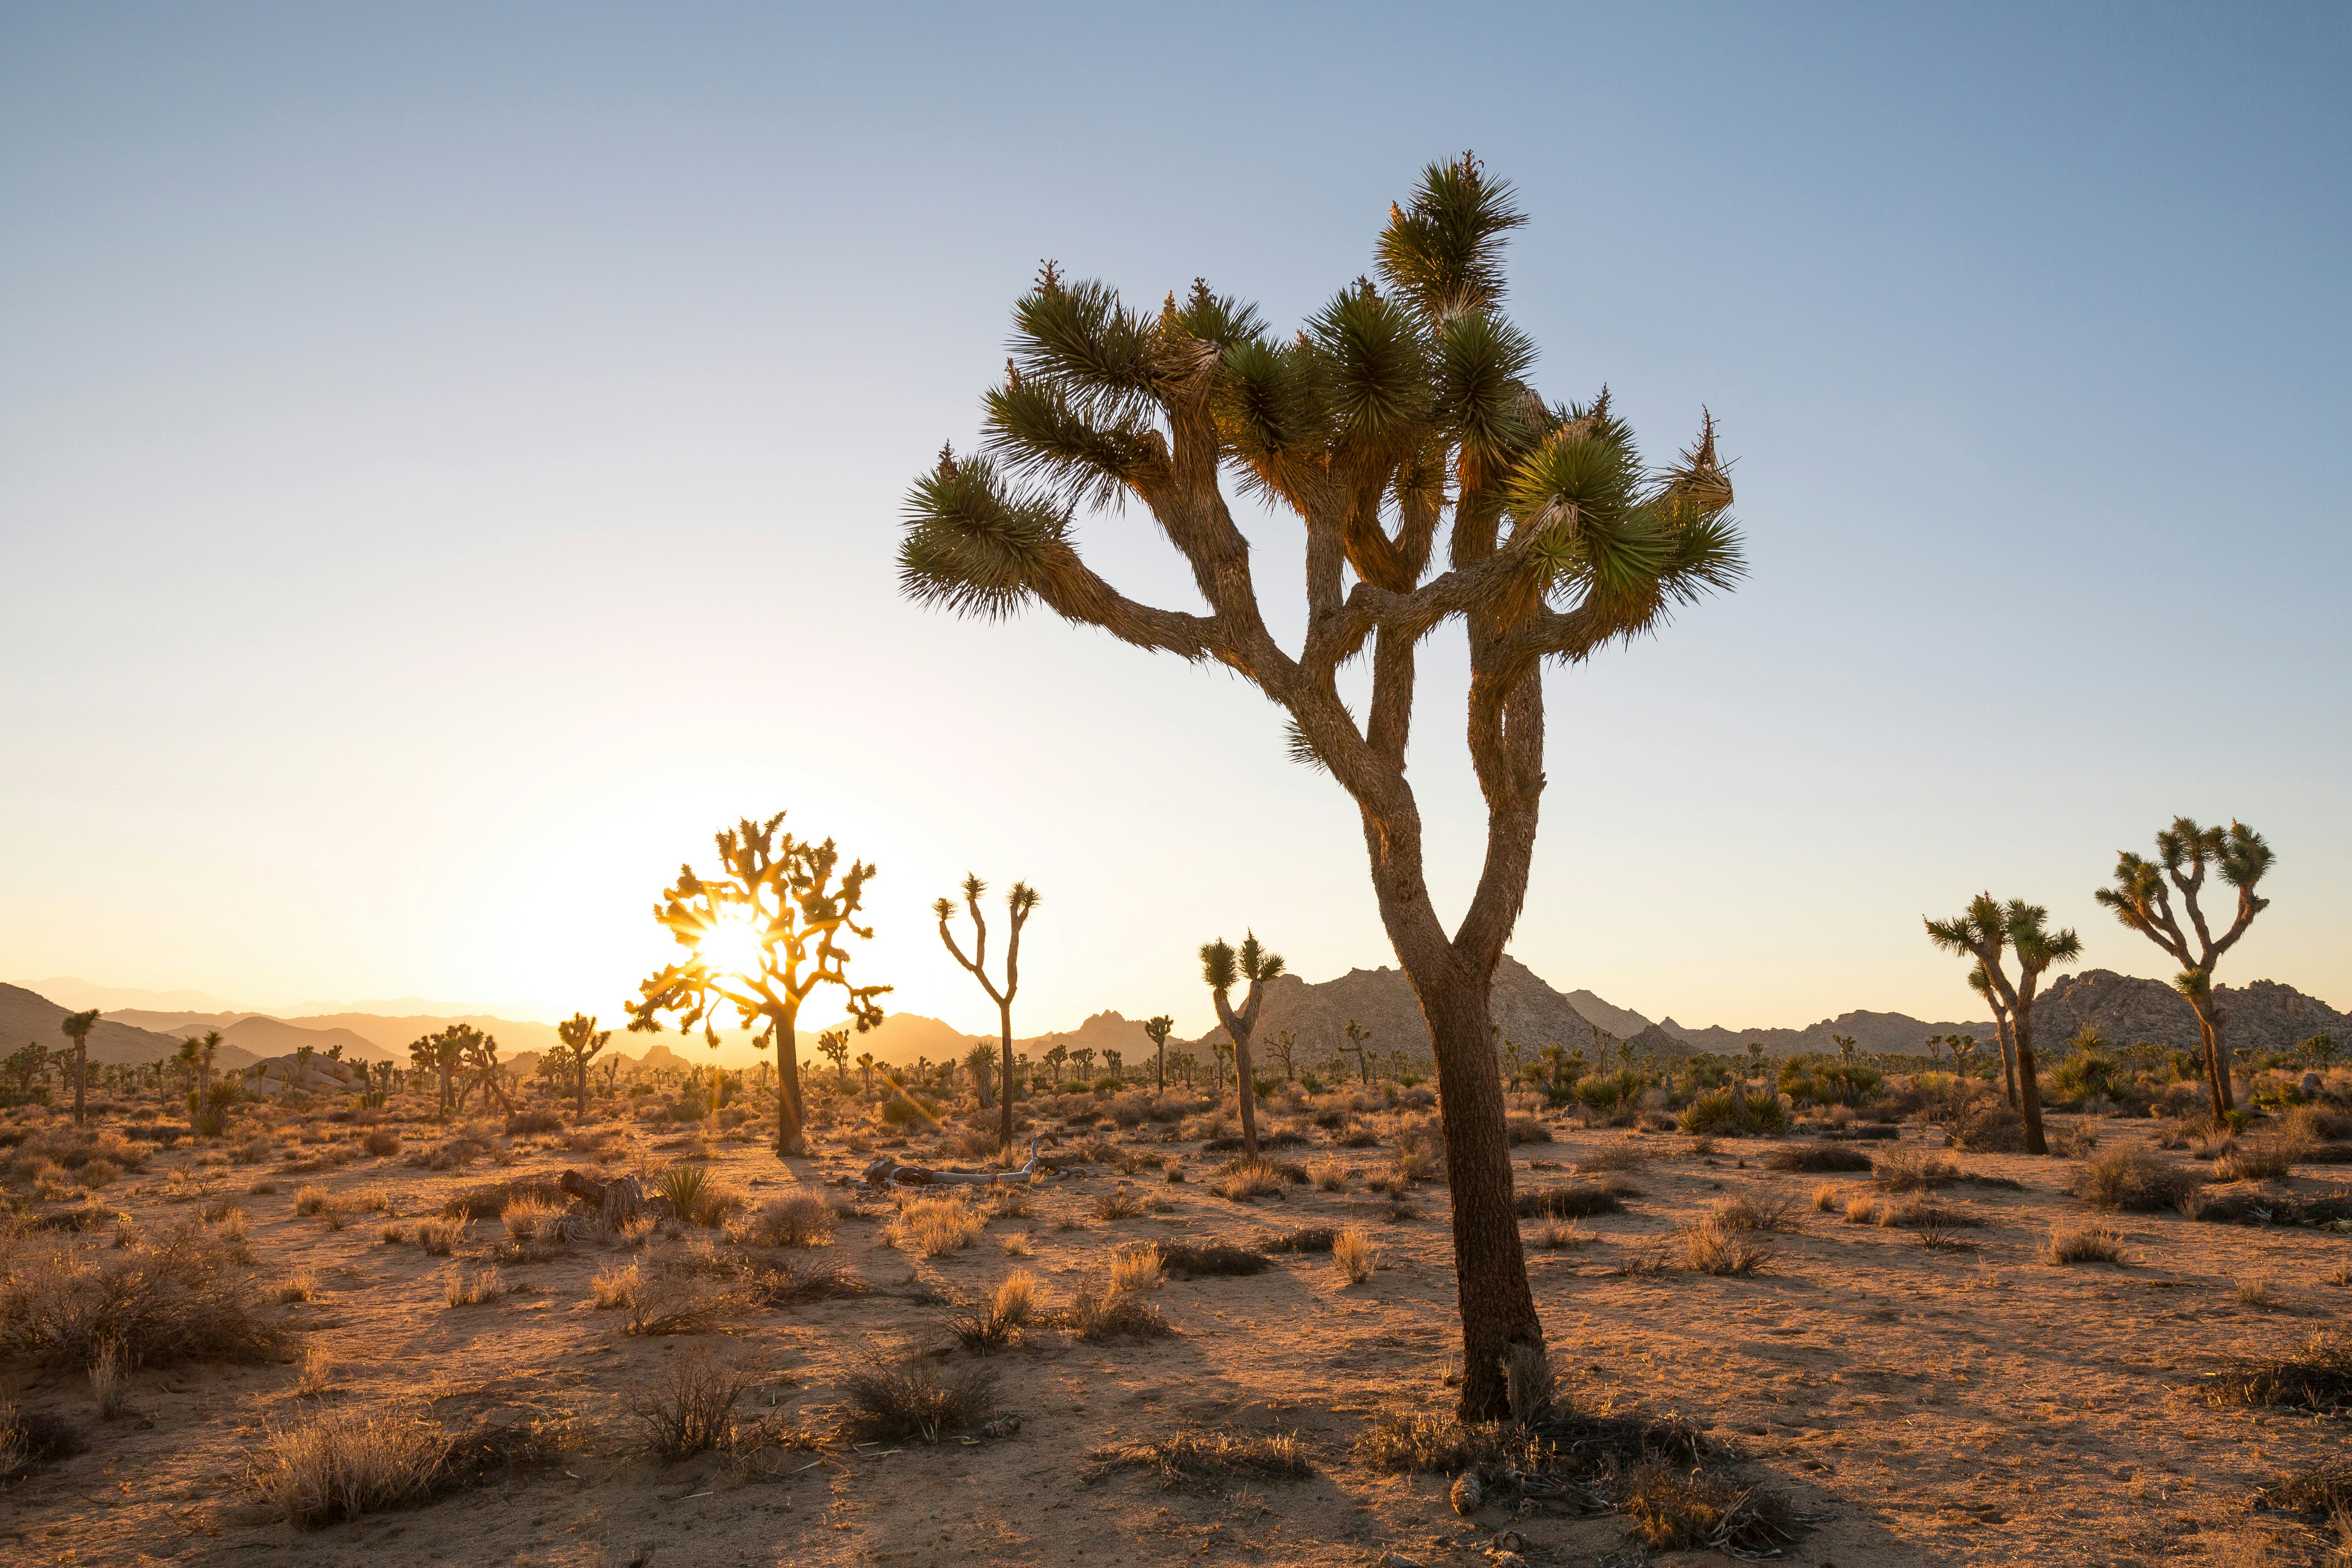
1221 966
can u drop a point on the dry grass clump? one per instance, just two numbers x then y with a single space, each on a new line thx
2317 1124
1011 1309
1557 1238
935 1225
2325 1489
2317 1377
691 1408
341 1464
1911 1170
1192 1260
1121 1202
1747 1213
310 1199
1579 1201
528 1220
109 1380
2255 1290
1827 1199
2263 1160
180 1296
890 1401
1313 1238
1328 1176
33 1438
317 1377
439 1237
2094 1243
1525 1129
1113 1308
1616 1157
796 1284
1193 1458
1709 1247
1244 1179
299 1286
381 1141
2135 1180
1353 1254
1818 1158
796 1219
1136 1268
469 1288
1670 1510
675 1300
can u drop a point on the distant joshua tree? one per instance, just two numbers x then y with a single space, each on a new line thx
1157 1030
1222 967
832 1045
1359 1037
1019 902
2141 901
1984 931
1085 1056
982 1061
865 1069
578 1041
1282 1046
1055 1057
76 1027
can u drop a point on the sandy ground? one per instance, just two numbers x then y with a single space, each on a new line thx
1921 1406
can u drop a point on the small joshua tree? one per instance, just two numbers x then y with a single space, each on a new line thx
76 1027
865 1069
1157 1030
439 1053
2141 901
760 938
1358 1038
578 1041
1984 931
981 1061
1019 902
1223 967
832 1045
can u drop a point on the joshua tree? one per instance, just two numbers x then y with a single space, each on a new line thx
1282 1046
865 1069
478 1066
1514 1055
1983 932
302 1055
439 1053
1223 967
1156 1030
1409 405
982 1060
1185 1063
76 1027
1846 1047
759 939
1358 1038
1113 1066
1053 1058
1085 1056
1019 902
2142 901
2318 1050
832 1045
578 1041
1220 1053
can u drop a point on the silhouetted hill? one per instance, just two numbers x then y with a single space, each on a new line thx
257 1032
29 1016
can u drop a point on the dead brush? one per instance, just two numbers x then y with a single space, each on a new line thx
1817 1157
1137 1267
1615 1157
342 1464
2094 1243
1669 1510
674 1299
1577 1201
1205 1259
798 1284
614 1286
29 1438
1246 1178
1012 1307
2255 1290
179 1295
1011 1202
931 1227
796 1219
2315 1376
1353 1255
1211 1460
471 1288
1101 1312
439 1237
1911 1170
2133 1179
1121 1202
530 1220
1313 1238
1756 1214
893 1400
2262 1160
690 1408
1557 1238
1328 1176
1708 1247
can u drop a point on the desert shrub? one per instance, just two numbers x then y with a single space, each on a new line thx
310 1200
1720 1113
1121 1202
1188 1259
1708 1247
1668 1509
1352 1252
171 1298
1011 1308
1193 1459
1557 1238
2260 1160
2326 1488
614 1286
1314 1238
1244 1179
343 1464
797 1284
469 1288
1328 1176
1817 1157
2254 1290
439 1237
675 1300
1135 1267
2134 1179
1912 1170
1616 1157
1987 1128
1102 1311
1826 1199
2317 1375
1525 1129
796 1219
934 1226
2083 1244
530 1219
890 1401
1401 1441
2317 1124
690 1408
1578 1201
381 1141
535 1118
33 1438
695 1196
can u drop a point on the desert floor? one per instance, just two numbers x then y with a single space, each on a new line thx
1918 1406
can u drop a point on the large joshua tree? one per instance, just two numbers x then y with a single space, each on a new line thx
2141 899
76 1027
1398 417
1020 901
760 937
2004 1040
1224 967
1985 931
578 1040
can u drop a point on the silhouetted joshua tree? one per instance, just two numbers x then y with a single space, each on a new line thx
76 1027
578 1041
1223 967
1018 903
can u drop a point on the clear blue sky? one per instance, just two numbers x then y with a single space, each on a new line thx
450 457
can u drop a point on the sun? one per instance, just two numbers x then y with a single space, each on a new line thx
731 945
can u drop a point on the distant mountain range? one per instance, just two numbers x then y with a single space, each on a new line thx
2263 1015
